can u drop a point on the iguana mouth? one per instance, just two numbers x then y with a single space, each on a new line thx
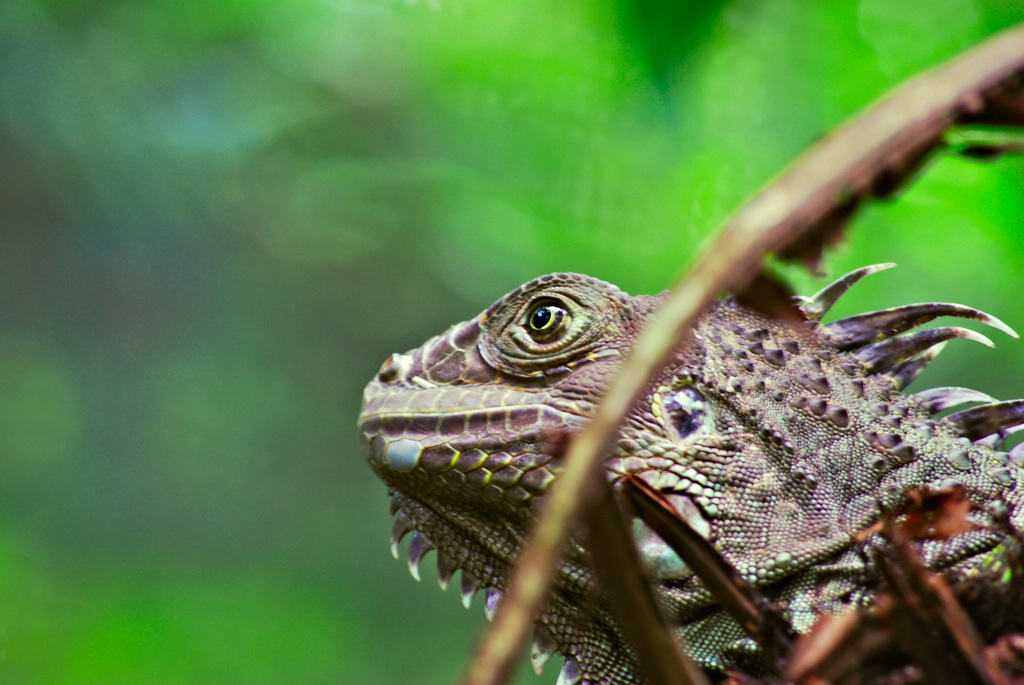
495 444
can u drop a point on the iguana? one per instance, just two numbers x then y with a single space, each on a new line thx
777 441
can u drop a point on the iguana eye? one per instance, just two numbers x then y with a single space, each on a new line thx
685 410
552 324
547 320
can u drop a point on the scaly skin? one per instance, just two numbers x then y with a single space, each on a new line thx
777 442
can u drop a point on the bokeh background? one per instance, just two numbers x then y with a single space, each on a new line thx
218 218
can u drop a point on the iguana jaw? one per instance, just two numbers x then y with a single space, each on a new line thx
463 462
472 420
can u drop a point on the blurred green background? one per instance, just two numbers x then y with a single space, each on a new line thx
218 218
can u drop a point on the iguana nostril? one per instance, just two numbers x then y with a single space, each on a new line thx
391 368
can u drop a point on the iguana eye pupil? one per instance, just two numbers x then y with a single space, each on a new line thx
541 318
546 321
686 410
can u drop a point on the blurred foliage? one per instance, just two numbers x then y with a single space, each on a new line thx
218 218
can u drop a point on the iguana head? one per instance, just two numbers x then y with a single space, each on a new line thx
467 431
772 439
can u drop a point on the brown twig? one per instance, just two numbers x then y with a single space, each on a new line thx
913 618
617 563
927 621
748 607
